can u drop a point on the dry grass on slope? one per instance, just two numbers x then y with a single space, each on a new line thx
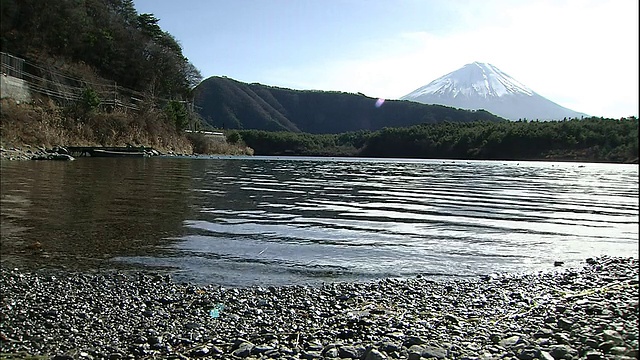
47 125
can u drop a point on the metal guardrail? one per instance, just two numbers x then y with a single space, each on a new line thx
26 77
11 65
62 86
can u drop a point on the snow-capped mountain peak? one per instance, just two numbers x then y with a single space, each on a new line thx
483 86
475 79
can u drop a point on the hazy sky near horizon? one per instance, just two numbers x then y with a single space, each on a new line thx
581 54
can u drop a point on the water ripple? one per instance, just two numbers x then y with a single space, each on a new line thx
405 217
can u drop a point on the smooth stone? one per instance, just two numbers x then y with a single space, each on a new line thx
594 355
565 324
543 333
545 356
398 335
606 345
200 352
389 346
331 353
273 353
562 338
561 351
243 350
314 347
416 349
260 349
349 352
413 340
312 355
510 341
374 354
612 335
434 352
528 354
592 343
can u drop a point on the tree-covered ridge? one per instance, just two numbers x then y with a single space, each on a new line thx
230 104
109 36
592 139
99 74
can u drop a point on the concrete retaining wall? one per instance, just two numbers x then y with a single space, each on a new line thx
14 88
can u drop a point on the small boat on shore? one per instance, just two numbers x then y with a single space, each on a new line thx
128 151
116 153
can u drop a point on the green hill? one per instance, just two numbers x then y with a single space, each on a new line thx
226 103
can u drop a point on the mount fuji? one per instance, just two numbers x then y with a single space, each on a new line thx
483 86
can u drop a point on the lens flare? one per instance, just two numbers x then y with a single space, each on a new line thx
379 102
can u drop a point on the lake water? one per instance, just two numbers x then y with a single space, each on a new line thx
240 221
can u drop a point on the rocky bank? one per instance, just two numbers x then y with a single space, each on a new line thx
26 153
583 313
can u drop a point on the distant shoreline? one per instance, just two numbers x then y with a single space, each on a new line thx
28 152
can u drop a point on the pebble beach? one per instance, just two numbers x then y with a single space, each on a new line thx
587 312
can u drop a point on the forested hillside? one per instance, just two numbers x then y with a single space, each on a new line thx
592 139
230 104
105 36
99 73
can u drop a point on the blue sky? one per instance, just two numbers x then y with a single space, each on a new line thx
581 54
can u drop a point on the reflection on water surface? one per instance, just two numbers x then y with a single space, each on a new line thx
243 221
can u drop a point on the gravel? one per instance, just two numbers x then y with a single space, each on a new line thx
589 312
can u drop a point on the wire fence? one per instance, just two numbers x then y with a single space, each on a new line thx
54 83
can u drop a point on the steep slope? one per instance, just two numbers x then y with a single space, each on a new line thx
484 86
227 103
